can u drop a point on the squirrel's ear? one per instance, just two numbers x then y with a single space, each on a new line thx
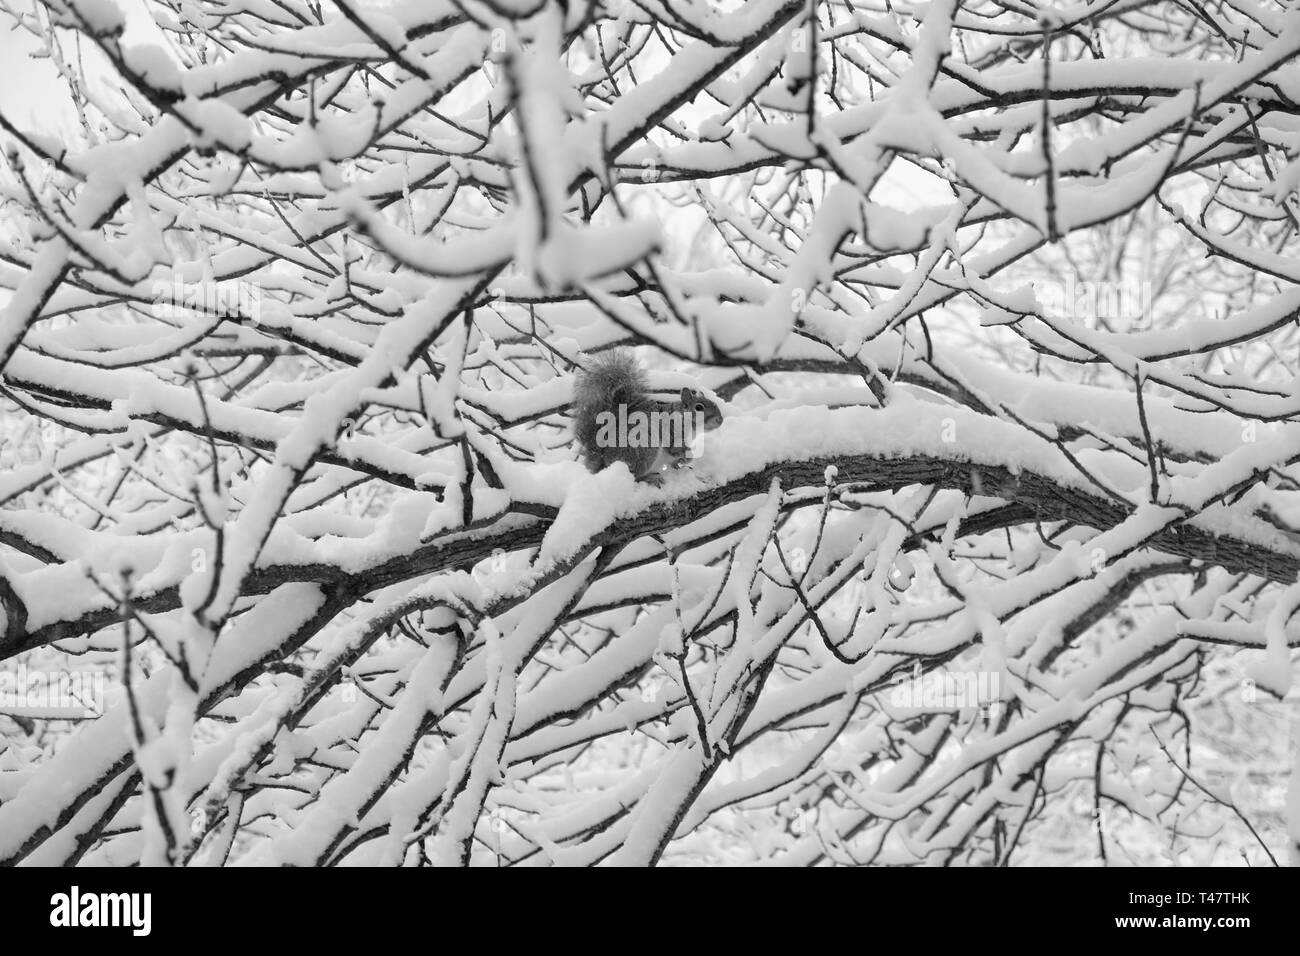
688 395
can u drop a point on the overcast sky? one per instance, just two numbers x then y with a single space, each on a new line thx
32 95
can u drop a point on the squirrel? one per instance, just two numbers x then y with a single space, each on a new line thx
616 419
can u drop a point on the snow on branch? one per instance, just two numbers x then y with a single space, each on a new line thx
987 542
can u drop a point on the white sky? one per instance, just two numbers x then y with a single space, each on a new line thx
32 95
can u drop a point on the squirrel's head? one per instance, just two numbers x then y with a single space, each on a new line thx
704 408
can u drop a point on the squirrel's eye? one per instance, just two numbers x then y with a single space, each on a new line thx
699 406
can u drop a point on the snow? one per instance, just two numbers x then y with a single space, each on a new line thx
380 612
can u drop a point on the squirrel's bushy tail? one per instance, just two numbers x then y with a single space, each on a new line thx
611 379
